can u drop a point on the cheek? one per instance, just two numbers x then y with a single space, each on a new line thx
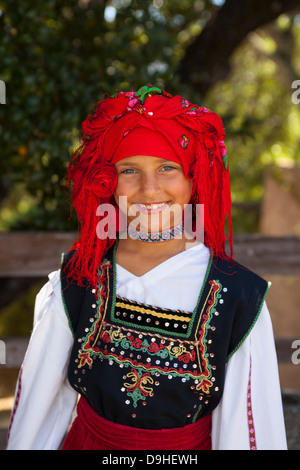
190 189
184 191
119 191
124 188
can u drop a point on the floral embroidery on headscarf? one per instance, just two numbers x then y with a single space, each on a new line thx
183 141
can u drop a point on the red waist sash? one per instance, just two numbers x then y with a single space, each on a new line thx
90 431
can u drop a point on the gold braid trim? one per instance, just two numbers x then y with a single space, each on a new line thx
152 312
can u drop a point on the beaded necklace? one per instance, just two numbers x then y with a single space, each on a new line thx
153 237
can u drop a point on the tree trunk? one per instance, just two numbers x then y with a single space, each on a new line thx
207 59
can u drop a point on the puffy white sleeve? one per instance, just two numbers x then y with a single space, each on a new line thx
44 400
250 414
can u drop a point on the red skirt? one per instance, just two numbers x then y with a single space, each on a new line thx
90 431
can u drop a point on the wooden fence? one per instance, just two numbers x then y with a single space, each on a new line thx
35 254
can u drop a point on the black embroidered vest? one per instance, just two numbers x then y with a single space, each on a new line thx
150 367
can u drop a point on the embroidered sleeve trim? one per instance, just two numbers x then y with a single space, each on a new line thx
16 402
251 428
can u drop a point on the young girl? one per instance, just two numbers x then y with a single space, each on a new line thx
166 340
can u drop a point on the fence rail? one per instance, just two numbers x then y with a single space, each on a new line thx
35 254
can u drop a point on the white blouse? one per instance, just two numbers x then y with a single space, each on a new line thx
250 413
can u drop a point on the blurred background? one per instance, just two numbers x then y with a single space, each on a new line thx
240 59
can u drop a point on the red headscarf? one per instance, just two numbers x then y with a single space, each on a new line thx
147 122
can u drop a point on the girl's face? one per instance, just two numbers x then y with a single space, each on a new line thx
154 192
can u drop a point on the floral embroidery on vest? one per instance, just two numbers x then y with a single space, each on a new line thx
127 354
212 300
137 336
139 388
89 347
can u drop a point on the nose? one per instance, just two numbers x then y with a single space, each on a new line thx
150 185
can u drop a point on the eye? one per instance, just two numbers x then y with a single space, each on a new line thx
127 171
168 168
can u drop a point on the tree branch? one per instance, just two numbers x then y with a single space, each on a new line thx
207 59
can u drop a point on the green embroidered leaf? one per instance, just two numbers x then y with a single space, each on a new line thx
144 91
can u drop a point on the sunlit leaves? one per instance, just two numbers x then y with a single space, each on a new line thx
58 58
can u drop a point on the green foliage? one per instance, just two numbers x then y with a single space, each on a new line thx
58 58
263 124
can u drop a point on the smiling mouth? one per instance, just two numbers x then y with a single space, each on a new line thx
155 207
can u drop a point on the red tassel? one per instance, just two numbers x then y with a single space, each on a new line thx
211 187
89 250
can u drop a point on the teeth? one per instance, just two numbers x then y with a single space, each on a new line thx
152 206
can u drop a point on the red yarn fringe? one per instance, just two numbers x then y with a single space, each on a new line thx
211 187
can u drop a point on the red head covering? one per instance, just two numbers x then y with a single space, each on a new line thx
147 122
144 141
